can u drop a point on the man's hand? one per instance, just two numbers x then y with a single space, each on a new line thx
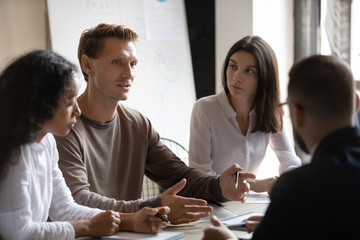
144 220
183 210
227 183
217 231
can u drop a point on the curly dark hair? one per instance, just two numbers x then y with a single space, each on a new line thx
30 90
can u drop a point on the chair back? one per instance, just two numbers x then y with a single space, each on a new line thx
151 189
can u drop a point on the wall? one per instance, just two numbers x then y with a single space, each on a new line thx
271 20
233 20
22 27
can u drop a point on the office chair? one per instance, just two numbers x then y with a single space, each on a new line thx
150 188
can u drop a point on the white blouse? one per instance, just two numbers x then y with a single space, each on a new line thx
216 140
33 190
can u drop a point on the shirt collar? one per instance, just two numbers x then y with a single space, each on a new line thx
336 138
227 109
41 146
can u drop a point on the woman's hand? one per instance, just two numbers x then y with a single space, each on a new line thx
261 185
103 224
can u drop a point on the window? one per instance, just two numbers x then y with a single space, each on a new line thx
340 32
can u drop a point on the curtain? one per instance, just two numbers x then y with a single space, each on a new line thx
338 27
306 29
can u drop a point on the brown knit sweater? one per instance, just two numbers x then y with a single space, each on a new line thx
104 165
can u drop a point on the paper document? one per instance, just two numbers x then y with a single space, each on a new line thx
254 197
247 236
165 235
232 223
220 212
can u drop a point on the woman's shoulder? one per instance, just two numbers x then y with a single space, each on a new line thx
214 104
209 98
208 102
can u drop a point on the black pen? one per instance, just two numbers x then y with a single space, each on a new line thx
162 218
236 180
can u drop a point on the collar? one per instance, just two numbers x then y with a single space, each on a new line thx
98 125
228 110
336 139
41 146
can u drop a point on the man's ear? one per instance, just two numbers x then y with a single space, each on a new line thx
86 64
297 115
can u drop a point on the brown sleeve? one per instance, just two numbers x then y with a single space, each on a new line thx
166 169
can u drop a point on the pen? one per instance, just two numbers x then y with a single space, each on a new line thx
239 226
236 180
162 218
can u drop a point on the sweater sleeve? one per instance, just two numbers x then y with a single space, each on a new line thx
74 171
166 169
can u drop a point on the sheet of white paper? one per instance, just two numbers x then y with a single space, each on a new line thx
220 212
165 235
245 236
254 197
164 20
239 219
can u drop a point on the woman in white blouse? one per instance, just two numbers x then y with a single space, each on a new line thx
236 125
37 99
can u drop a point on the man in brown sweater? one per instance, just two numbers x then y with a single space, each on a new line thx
111 146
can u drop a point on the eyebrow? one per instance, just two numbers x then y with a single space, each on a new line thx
250 66
125 57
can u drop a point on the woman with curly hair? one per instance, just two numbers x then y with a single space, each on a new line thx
38 99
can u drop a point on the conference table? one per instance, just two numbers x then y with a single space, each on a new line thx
194 231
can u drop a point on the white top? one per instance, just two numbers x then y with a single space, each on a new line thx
33 190
216 141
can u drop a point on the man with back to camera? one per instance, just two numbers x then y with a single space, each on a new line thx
318 200
105 156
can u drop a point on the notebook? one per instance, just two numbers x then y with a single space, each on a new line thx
165 235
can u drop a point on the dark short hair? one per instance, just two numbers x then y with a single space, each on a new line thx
30 90
268 92
324 85
92 40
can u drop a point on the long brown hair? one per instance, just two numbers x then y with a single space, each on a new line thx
268 116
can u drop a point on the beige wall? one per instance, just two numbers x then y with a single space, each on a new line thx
271 20
233 21
22 27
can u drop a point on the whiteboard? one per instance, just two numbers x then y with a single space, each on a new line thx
163 89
